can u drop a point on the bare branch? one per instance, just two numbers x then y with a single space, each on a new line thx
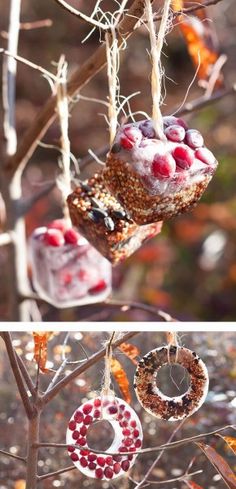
176 479
126 305
26 375
17 457
58 472
26 204
202 102
80 15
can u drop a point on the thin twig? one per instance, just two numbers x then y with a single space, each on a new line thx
26 375
17 457
56 473
80 15
29 63
176 479
202 102
126 305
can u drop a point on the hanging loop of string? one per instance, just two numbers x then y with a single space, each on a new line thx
106 387
172 340
156 50
64 181
112 54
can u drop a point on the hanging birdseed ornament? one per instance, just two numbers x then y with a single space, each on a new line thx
66 270
151 397
103 221
158 168
127 433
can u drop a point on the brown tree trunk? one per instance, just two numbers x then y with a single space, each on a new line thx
32 451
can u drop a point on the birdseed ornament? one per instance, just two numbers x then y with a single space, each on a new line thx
103 221
151 397
127 437
66 270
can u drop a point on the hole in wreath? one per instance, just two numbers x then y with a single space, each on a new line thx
173 380
100 435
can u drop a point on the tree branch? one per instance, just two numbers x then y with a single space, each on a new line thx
57 472
82 368
202 102
17 457
25 375
17 374
126 305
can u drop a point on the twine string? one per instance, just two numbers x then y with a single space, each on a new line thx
112 54
106 387
172 340
156 50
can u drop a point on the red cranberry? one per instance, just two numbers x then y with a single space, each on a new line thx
138 443
131 137
117 458
84 453
88 419
127 414
92 457
126 432
59 224
99 287
125 465
67 278
109 460
97 413
175 133
78 417
74 457
205 155
72 425
71 236
87 408
92 466
117 468
112 410
83 430
83 462
124 424
183 156
54 237
71 449
194 138
99 473
170 120
128 442
163 166
147 129
81 441
122 449
132 449
133 424
136 433
101 461
130 457
83 275
75 435
97 402
108 472
122 407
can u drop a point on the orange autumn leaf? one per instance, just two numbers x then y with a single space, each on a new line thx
201 40
231 442
41 339
220 465
193 485
20 484
130 351
121 379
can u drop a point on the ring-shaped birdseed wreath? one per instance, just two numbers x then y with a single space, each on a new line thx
127 438
151 397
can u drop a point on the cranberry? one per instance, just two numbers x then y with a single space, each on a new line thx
74 457
163 166
92 466
133 424
138 443
101 461
84 453
205 155
122 407
83 430
59 224
194 138
67 278
99 473
170 120
78 417
175 133
117 468
108 472
124 424
183 156
147 129
83 462
83 275
54 237
117 458
71 236
97 413
126 432
97 402
136 433
112 410
122 449
72 425
128 442
88 419
75 435
130 457
99 287
109 460
132 449
127 414
131 137
92 457
125 465
81 441
87 408
71 449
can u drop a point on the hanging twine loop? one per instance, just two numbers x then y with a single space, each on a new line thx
64 181
107 393
172 340
156 50
112 54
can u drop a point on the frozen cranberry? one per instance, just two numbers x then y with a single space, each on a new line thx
83 275
132 449
59 224
133 424
71 449
81 441
117 458
97 413
163 166
71 236
126 432
99 287
124 424
108 472
54 237
84 453
138 443
97 402
99 473
183 156
78 417
128 442
136 433
67 278
170 120
122 407
112 410
72 425
131 137
87 408
127 414
92 457
123 449
205 155
83 430
83 462
175 133
88 419
130 457
147 129
74 457
92 466
194 138
125 465
109 460
101 461
75 434
117 468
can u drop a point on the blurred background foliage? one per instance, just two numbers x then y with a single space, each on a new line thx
190 269
218 351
